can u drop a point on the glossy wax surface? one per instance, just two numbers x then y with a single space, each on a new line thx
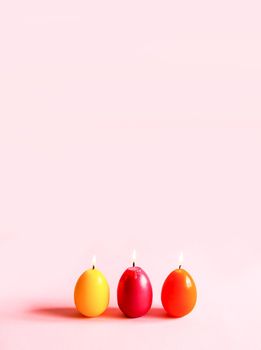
134 292
92 293
179 293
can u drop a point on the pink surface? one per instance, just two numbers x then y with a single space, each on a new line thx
130 125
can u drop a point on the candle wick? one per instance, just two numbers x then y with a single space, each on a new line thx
93 267
133 264
179 266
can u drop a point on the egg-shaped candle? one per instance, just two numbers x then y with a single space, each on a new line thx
92 292
134 291
179 293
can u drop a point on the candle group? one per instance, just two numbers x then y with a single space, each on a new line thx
134 292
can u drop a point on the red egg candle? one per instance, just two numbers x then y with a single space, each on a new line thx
179 293
134 292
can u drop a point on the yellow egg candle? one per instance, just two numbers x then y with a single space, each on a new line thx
92 292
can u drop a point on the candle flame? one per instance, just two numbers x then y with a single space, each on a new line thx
93 261
134 256
181 258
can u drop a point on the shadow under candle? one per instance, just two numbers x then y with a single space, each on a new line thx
65 312
71 312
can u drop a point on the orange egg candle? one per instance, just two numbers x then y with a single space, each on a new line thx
179 293
92 293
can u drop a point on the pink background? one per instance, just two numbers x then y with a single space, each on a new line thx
130 125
